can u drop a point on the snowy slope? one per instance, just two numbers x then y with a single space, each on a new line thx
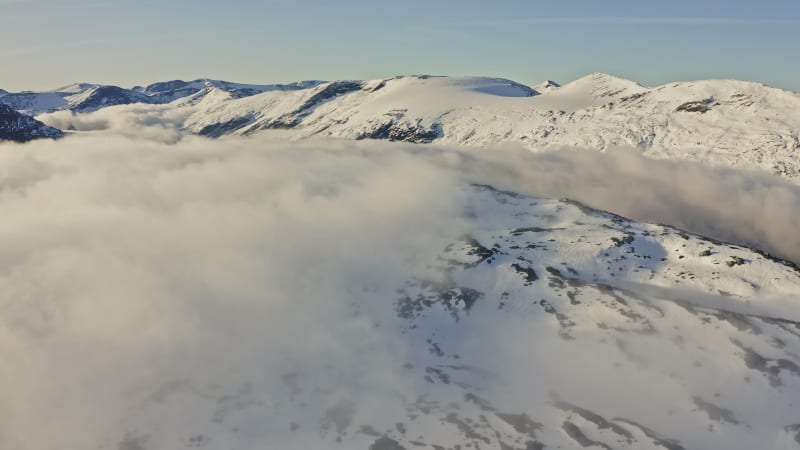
34 102
88 97
168 91
359 109
81 97
21 128
547 85
722 122
652 306
547 322
76 88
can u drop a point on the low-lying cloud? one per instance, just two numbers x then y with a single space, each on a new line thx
744 207
129 267
749 208
140 275
158 123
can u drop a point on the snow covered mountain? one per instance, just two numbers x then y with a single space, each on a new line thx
552 326
88 97
717 121
82 97
652 305
21 128
720 122
402 108
165 92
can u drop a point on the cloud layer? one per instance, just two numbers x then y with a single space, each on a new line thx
130 265
137 272
749 208
156 123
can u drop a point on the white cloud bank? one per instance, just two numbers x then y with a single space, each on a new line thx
750 208
129 265
135 271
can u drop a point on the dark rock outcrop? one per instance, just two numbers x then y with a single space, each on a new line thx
702 106
18 127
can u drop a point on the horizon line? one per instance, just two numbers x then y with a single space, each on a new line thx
265 83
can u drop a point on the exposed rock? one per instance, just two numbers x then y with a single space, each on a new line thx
219 129
404 131
715 413
735 261
21 128
386 443
702 106
576 434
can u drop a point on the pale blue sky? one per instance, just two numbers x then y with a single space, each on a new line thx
48 43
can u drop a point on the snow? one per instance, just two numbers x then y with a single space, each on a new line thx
718 122
33 103
75 88
668 319
72 97
748 125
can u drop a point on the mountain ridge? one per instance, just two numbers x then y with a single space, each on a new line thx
730 123
719 122
89 97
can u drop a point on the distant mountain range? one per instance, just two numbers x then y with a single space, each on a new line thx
725 122
88 97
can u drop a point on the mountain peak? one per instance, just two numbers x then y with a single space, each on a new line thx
606 76
76 88
599 84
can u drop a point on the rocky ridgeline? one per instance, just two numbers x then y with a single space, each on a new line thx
18 127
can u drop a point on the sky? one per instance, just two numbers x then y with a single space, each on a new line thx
45 44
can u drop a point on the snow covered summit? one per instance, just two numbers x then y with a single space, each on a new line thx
717 122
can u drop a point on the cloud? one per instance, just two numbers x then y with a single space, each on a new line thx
159 123
750 208
132 266
161 287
